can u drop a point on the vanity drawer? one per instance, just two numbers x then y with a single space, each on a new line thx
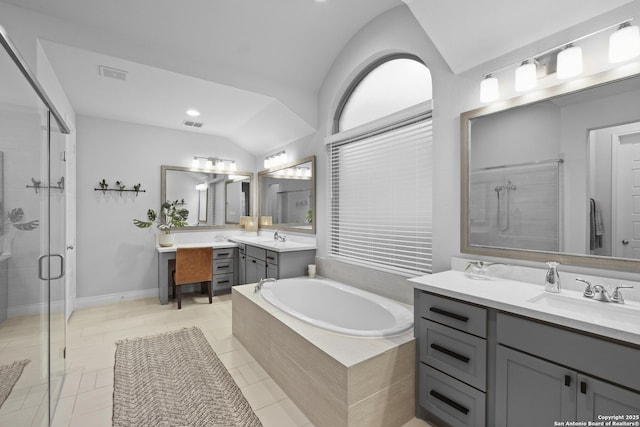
221 266
456 353
272 257
222 281
226 253
257 253
452 401
459 315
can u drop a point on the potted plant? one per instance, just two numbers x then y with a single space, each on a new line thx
170 216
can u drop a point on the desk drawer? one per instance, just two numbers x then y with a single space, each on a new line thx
222 281
456 353
459 315
221 266
454 402
224 253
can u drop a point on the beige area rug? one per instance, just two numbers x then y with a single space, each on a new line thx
175 379
9 376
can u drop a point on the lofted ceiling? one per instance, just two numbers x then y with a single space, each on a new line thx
253 68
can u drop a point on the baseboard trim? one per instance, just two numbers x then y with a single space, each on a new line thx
115 298
33 309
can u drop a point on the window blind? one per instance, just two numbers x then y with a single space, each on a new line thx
381 198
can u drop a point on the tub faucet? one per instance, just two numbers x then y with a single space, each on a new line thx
262 282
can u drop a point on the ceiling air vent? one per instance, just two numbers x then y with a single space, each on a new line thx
192 124
112 73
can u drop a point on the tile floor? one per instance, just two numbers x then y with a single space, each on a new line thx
86 397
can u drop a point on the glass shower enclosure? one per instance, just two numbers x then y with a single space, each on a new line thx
32 246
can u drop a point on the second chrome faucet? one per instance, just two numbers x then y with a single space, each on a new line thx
600 293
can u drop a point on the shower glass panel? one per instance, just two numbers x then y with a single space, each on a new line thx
516 206
32 212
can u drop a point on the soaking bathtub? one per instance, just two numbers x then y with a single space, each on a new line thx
338 307
363 379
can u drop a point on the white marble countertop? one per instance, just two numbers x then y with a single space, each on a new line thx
214 245
269 243
569 309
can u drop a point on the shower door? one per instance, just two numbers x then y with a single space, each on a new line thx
32 209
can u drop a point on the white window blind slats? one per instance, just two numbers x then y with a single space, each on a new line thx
380 198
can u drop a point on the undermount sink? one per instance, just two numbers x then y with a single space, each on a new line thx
591 310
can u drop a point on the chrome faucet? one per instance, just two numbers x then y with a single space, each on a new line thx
588 292
600 293
279 236
262 282
552 278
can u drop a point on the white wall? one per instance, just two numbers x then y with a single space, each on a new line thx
113 255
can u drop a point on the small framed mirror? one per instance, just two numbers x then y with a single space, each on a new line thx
287 199
214 199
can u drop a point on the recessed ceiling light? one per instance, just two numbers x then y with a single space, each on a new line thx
193 113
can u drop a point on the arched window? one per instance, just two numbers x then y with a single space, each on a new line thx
385 87
380 174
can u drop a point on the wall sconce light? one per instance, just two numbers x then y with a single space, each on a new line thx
214 163
526 76
489 90
201 186
624 43
276 159
569 62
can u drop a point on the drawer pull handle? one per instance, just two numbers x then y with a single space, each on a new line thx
253 261
449 314
226 254
567 380
222 266
455 405
450 353
583 387
223 281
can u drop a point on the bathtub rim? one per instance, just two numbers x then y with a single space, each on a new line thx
400 311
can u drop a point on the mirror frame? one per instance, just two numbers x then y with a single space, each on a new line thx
264 172
163 195
593 261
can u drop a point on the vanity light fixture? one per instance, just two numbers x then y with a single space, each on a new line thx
526 76
489 90
275 159
565 60
201 186
214 163
624 43
569 62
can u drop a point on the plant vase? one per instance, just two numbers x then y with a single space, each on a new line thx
165 239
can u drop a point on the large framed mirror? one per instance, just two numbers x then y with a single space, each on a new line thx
214 199
287 196
556 177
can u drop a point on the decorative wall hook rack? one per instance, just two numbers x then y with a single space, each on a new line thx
121 187
37 185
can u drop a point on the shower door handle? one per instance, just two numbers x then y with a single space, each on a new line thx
41 269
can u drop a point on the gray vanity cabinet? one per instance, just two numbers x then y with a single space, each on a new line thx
553 368
525 384
597 397
262 263
452 352
242 263
223 269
